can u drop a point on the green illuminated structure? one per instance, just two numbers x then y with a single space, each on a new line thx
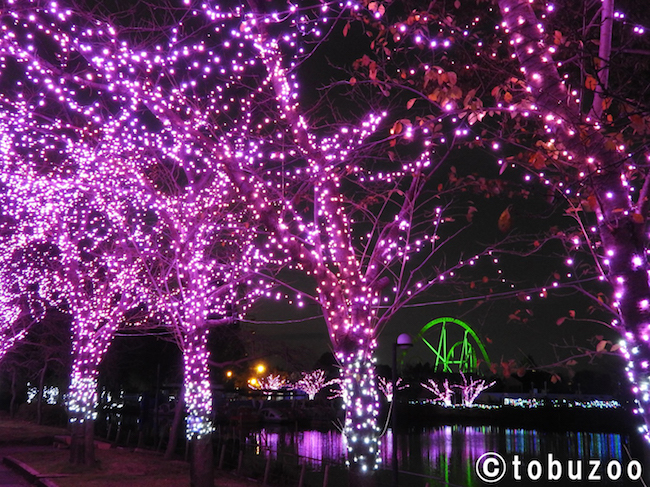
457 355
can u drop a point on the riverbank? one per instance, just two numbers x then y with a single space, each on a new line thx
557 419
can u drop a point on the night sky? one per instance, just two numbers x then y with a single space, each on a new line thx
303 333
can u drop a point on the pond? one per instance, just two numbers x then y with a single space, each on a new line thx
447 455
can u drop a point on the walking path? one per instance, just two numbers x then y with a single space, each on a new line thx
9 478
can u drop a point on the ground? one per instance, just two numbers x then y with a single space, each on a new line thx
33 445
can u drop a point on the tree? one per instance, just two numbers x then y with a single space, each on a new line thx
356 203
198 258
378 226
596 158
386 387
536 86
70 219
471 389
272 382
312 382
446 396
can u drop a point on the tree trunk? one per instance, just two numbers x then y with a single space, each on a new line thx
39 401
82 443
361 403
82 404
202 462
175 428
604 54
198 399
77 449
12 403
357 478
622 235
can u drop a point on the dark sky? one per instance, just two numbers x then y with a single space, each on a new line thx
502 337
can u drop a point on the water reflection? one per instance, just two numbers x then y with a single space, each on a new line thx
447 454
521 441
312 446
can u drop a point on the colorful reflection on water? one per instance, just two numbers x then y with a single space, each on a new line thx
313 447
446 455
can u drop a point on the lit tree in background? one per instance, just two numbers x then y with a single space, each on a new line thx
386 387
471 388
272 382
445 396
312 383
